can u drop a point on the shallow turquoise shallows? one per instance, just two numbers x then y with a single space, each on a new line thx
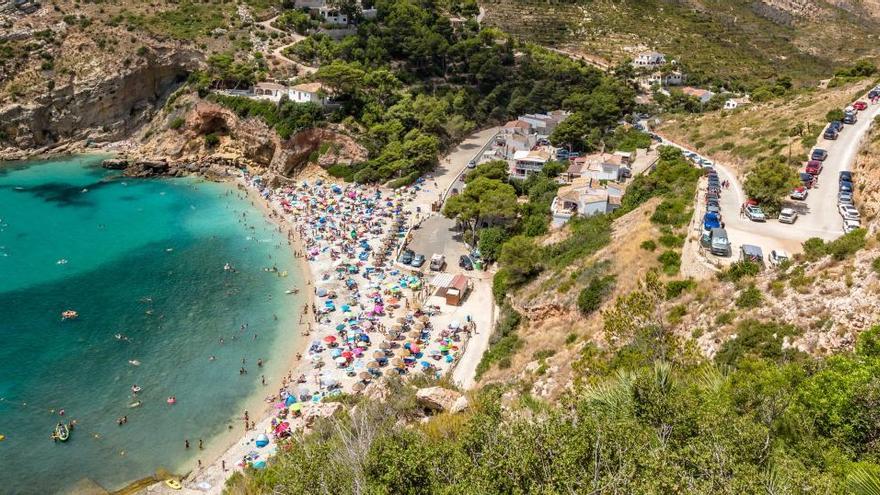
143 263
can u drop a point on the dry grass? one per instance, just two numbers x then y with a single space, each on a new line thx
742 137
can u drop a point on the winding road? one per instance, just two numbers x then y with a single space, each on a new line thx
278 52
818 215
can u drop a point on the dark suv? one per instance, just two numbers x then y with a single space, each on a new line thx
819 154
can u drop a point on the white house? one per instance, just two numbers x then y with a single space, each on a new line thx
309 4
544 123
598 166
649 59
734 103
308 93
332 16
269 91
527 162
704 95
585 197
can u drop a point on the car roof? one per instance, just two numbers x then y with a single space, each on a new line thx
787 211
851 222
751 250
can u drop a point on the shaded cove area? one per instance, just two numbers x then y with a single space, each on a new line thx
165 291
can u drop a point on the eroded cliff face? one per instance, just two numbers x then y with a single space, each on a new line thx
104 108
246 142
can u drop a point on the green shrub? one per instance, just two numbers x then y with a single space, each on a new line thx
675 288
676 314
868 343
739 270
671 261
212 140
758 339
543 354
503 342
648 245
500 285
875 265
570 338
814 248
591 297
847 245
750 297
672 240
177 123
725 318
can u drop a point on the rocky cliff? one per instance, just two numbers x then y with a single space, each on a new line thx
177 134
103 107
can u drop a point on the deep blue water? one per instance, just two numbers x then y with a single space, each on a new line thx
145 259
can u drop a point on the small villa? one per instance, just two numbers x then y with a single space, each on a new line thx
649 59
269 91
598 166
527 162
585 197
301 93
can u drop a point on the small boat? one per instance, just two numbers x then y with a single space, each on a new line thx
173 484
135 389
134 404
227 267
62 261
134 362
118 336
171 400
61 432
69 314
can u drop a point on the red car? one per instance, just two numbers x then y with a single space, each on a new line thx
860 105
814 167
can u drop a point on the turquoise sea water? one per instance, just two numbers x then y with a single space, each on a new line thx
145 259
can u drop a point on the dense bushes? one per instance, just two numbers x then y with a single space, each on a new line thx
593 295
503 342
286 118
761 416
841 248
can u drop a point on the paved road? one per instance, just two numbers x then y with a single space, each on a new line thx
818 214
279 52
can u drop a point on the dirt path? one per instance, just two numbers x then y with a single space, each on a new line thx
278 53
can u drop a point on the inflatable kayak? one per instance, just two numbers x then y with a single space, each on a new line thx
62 433
173 484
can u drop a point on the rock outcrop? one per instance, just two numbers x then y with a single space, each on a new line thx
105 108
442 399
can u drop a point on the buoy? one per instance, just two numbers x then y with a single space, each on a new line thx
2 437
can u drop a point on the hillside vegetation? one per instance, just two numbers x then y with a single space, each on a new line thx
739 44
787 126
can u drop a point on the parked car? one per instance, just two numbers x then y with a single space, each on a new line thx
714 209
787 215
711 221
465 262
417 261
848 212
799 193
806 180
719 242
844 198
777 257
850 225
819 154
836 125
873 94
860 105
438 261
814 167
748 252
755 214
830 134
845 176
406 256
472 164
713 202
845 186
712 195
850 119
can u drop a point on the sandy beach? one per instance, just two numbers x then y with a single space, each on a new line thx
366 316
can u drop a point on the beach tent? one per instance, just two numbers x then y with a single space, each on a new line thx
262 440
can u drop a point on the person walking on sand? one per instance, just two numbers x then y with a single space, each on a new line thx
186 444
201 445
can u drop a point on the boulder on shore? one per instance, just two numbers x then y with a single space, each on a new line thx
442 399
115 163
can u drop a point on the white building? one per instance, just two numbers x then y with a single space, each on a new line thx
734 103
308 93
585 197
649 59
269 91
333 16
527 162
598 166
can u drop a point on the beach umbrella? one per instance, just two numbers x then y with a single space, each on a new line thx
414 349
391 372
385 345
259 464
358 387
340 360
372 365
426 364
415 334
418 325
330 339
397 362
335 353
315 357
347 354
321 292
296 407
262 440
425 319
378 355
365 376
